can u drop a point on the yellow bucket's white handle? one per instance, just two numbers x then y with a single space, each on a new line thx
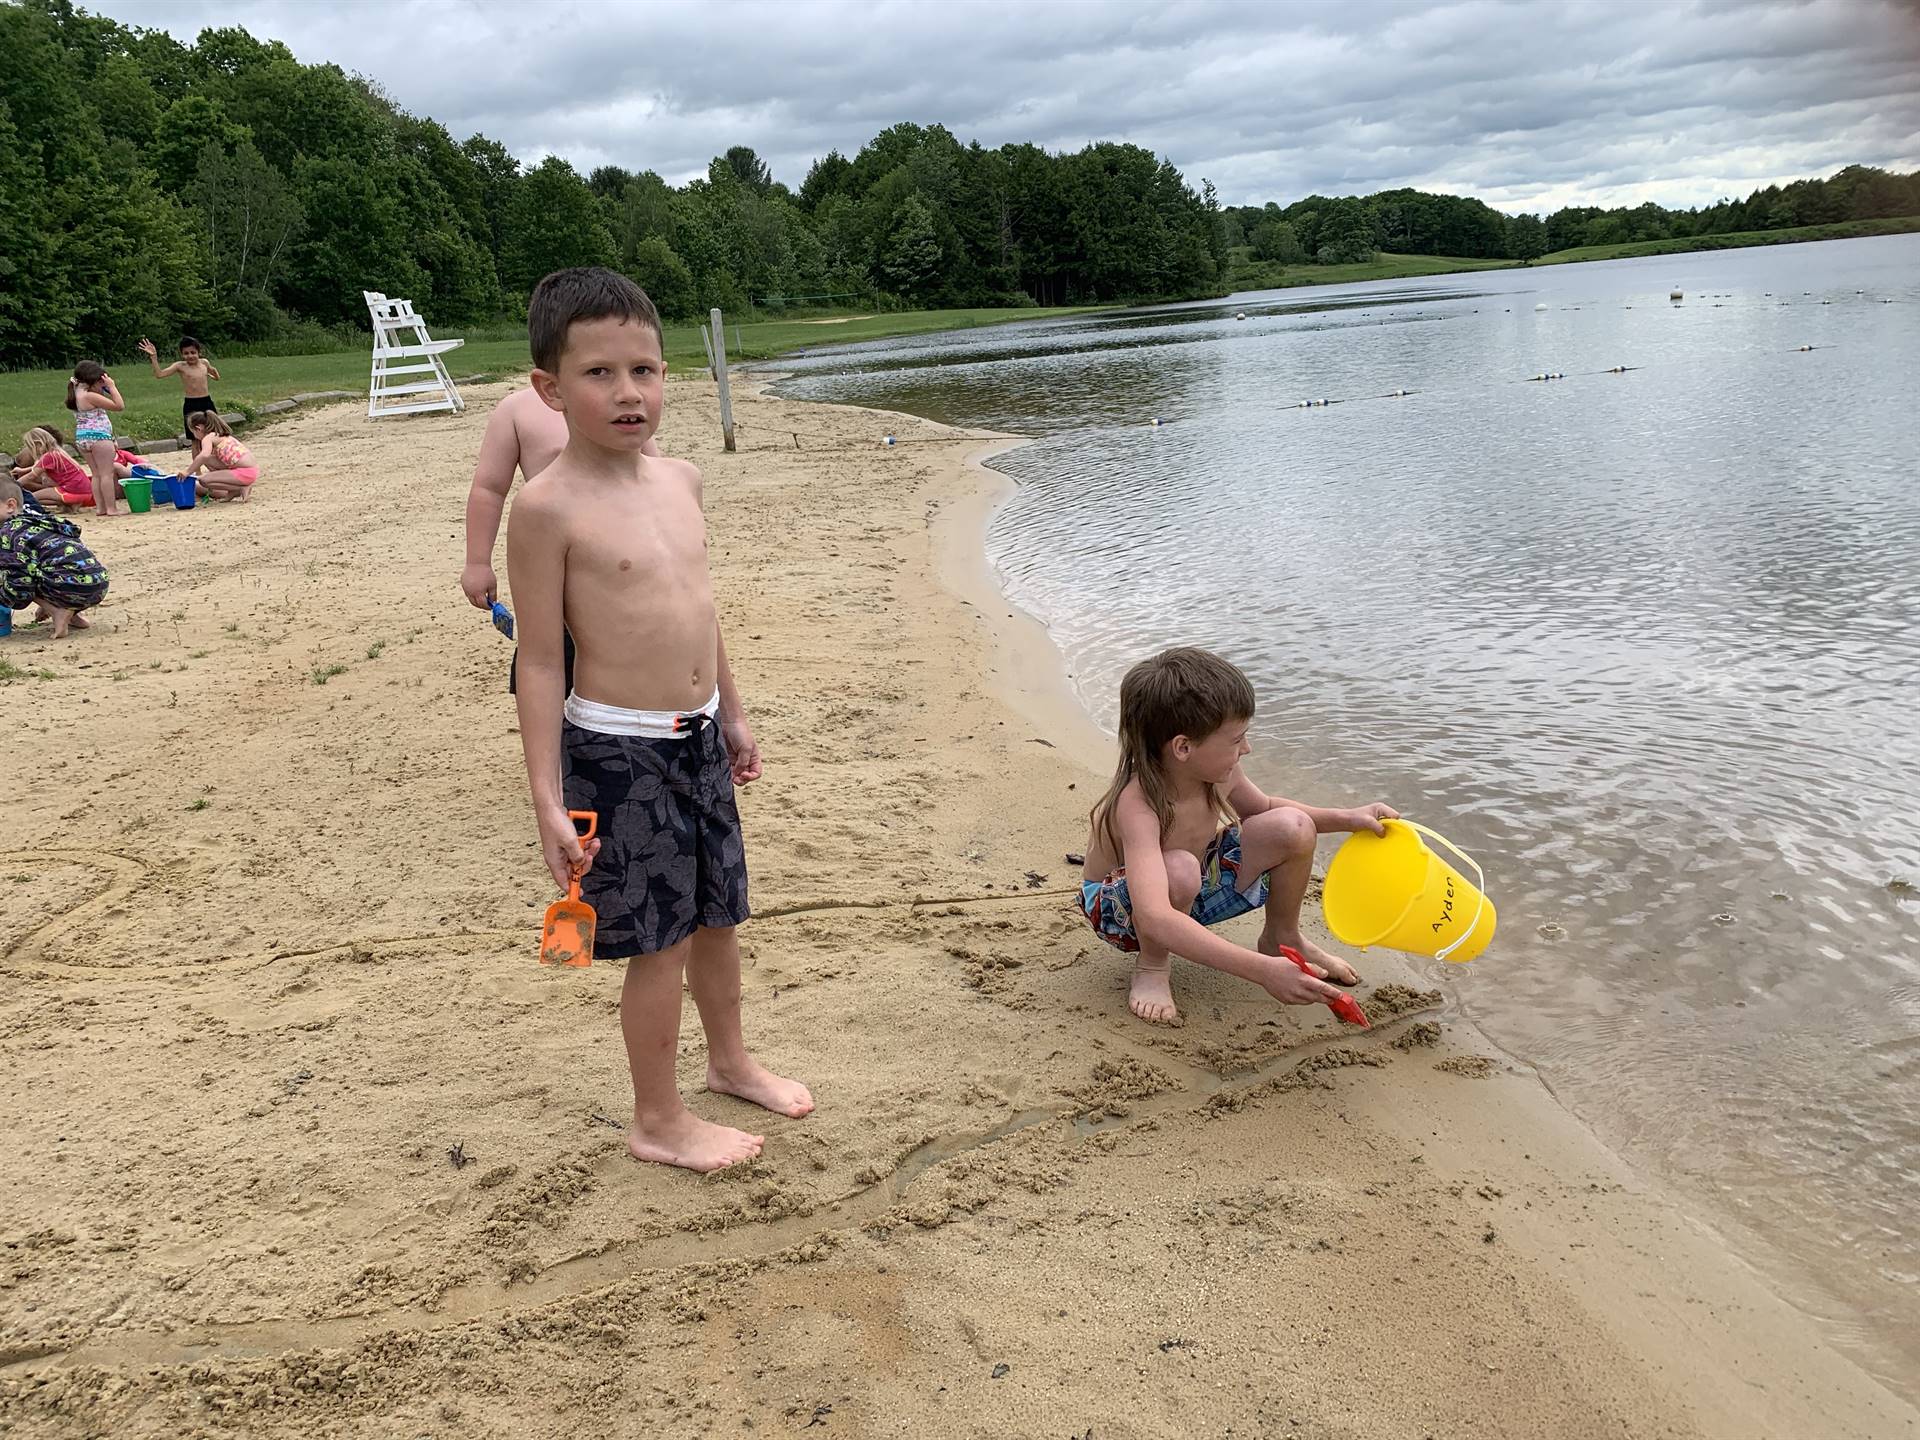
1479 882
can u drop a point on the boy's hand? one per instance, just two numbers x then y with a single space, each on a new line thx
1368 817
1291 985
742 751
566 856
146 348
482 587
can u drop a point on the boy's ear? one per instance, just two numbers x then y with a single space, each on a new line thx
547 387
1182 747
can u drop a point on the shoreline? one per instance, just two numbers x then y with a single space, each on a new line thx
258 1030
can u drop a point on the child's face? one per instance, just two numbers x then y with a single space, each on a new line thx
1213 759
190 354
611 382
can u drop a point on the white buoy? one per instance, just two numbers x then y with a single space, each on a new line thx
1239 314
1540 306
1156 421
887 441
1676 295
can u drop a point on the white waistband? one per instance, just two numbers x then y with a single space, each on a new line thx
651 724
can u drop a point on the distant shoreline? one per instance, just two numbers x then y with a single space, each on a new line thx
1391 266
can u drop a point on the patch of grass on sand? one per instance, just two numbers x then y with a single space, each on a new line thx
324 673
9 672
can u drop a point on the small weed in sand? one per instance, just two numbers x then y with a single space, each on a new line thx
45 674
313 568
201 803
373 650
138 822
232 627
119 674
154 664
179 614
324 673
9 672
199 654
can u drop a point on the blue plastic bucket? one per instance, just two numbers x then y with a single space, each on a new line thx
182 491
6 621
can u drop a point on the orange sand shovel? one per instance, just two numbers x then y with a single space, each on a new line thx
567 938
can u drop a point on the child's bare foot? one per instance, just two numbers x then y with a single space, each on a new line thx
80 622
1328 967
752 1081
691 1143
61 620
1151 996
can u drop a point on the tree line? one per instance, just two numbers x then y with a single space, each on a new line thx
225 189
1330 231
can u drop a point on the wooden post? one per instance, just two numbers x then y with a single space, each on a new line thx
720 374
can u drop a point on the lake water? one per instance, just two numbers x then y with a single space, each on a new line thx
1647 644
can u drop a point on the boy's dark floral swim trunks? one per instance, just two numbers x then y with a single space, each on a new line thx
671 854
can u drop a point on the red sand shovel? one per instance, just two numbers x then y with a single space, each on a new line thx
1343 1006
567 937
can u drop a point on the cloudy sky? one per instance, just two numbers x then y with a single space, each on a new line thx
1529 105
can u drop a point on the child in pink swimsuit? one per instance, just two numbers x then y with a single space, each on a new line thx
225 467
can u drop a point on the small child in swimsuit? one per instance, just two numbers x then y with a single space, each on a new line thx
226 467
42 562
610 543
1183 840
94 399
196 374
49 474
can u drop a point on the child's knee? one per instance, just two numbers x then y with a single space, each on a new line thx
1286 829
1183 878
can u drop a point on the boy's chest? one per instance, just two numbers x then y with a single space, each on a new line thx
652 542
1194 826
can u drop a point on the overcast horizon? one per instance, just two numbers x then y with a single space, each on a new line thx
1526 106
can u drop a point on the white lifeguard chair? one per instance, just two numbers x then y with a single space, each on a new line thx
400 335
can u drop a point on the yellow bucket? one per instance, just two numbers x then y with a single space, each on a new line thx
1392 890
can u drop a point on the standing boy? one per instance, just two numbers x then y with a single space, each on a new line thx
197 374
609 543
523 434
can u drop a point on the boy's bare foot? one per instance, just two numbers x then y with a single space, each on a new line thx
61 620
1327 966
80 622
753 1081
1151 997
691 1143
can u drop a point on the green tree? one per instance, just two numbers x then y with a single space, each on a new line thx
1278 242
553 221
665 277
249 219
1526 237
912 263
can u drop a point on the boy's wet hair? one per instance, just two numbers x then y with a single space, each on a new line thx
187 342
1182 691
582 292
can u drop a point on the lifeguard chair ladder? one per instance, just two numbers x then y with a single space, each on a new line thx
402 348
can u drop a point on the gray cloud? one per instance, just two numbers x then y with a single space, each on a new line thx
1526 103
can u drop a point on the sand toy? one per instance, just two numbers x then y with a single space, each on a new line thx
567 936
1393 890
1343 1006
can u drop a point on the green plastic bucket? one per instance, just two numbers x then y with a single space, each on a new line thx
139 494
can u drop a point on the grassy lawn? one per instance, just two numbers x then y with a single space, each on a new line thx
1245 273
37 397
1739 239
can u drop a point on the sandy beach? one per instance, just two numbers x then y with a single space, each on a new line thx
305 1143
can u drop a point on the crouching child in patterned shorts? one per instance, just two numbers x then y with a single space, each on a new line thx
42 562
610 544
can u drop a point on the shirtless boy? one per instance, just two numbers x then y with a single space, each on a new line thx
197 374
523 434
1183 840
609 543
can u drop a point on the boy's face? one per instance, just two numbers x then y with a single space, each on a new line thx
1213 759
190 354
610 384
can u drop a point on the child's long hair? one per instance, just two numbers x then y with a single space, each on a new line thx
40 440
206 422
88 373
1182 691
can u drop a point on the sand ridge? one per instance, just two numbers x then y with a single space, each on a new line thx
308 1145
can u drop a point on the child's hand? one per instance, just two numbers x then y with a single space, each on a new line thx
1290 985
567 856
480 584
742 751
145 347
1368 817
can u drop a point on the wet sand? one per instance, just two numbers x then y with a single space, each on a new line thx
306 1144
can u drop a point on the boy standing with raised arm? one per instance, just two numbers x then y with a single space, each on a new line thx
610 543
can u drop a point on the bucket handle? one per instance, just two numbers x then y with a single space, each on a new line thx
1479 881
